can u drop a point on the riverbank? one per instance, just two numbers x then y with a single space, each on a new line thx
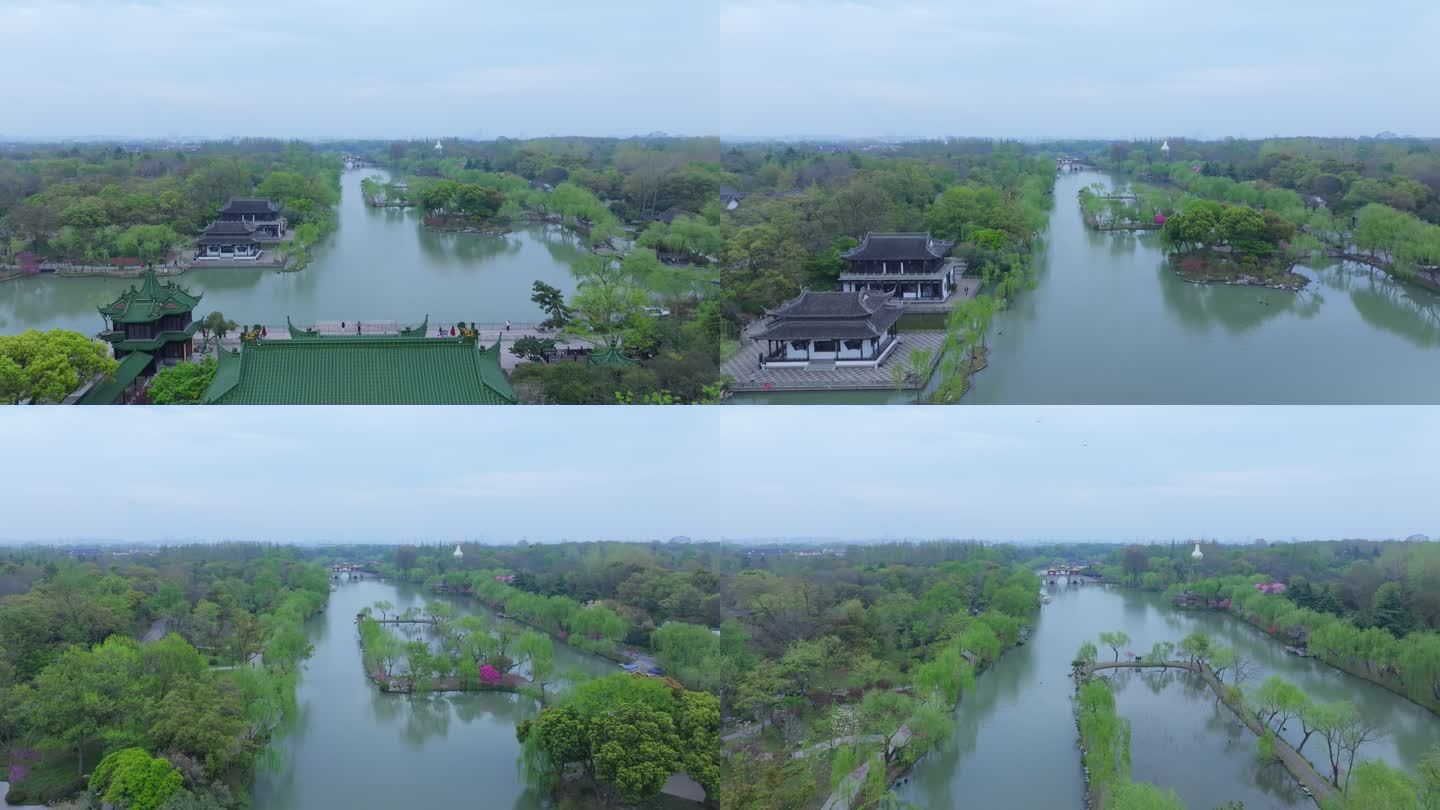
1427 277
1389 682
1310 780
901 744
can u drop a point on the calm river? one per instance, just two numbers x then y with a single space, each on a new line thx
1109 323
1015 741
357 748
380 264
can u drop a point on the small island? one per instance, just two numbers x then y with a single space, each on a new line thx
1217 243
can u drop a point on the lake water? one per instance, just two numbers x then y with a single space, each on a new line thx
380 264
355 747
1109 322
1015 742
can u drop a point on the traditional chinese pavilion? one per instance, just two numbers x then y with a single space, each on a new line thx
228 240
154 318
257 211
310 368
829 329
910 266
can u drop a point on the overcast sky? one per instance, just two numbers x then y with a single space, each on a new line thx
502 474
1022 68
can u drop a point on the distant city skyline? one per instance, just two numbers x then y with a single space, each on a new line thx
1021 69
841 473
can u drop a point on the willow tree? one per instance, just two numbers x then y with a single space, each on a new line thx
1115 641
606 299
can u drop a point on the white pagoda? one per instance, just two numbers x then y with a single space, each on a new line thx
458 553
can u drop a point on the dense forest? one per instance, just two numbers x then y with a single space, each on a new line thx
1346 173
875 642
160 674
94 204
1376 199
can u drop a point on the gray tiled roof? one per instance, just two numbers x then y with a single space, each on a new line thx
821 315
250 206
899 247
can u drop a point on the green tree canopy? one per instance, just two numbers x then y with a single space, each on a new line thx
48 366
133 780
182 383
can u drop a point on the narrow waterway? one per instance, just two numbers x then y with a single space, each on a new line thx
1109 322
1015 741
379 264
353 746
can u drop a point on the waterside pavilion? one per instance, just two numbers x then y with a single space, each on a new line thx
228 240
910 266
256 211
828 329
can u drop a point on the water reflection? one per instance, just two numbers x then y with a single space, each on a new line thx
1181 736
357 747
1237 310
1110 322
1397 309
380 264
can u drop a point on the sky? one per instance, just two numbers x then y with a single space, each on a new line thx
505 474
440 68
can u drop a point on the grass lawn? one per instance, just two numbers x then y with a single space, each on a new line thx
922 322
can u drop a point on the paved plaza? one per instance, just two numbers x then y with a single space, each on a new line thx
749 375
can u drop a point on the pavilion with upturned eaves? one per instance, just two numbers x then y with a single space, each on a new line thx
228 240
909 266
311 368
154 318
830 329
262 214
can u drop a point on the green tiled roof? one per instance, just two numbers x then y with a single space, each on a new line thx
106 393
609 355
151 302
296 333
361 370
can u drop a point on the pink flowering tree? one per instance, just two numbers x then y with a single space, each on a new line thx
490 676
